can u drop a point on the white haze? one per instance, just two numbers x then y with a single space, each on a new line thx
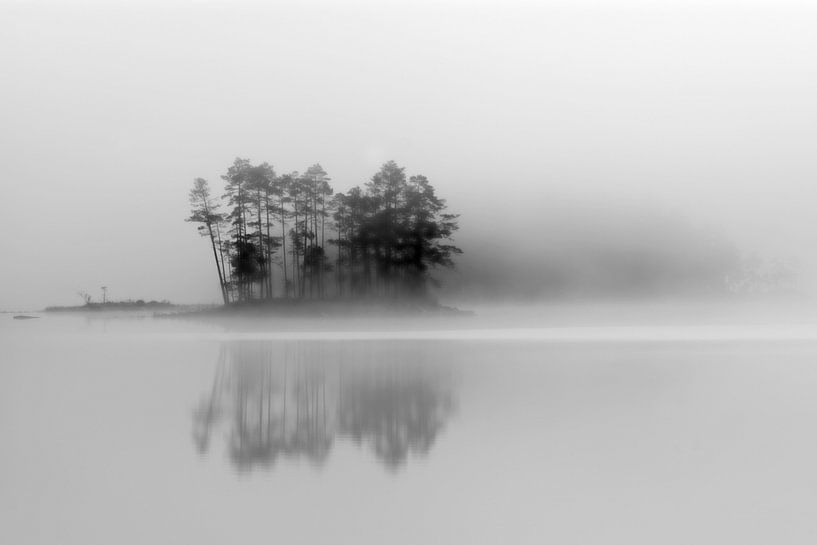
542 124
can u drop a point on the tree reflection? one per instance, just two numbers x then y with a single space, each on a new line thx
394 409
293 399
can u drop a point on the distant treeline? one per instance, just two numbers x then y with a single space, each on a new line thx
292 236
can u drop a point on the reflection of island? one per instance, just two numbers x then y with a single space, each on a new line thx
293 400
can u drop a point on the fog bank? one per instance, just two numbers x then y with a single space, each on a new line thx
597 148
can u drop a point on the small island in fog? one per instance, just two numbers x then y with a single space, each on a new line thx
289 243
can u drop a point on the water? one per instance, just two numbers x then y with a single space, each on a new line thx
144 431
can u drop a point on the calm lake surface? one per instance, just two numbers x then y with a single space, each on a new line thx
124 430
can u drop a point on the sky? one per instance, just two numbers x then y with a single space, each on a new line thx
530 118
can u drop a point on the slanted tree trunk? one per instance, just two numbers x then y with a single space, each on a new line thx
225 270
218 265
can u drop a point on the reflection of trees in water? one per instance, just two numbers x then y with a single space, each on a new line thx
292 399
395 409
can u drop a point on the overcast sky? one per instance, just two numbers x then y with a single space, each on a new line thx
705 110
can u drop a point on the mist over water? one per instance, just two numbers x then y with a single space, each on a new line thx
187 431
448 272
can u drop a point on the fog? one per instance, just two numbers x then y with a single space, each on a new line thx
591 149
623 353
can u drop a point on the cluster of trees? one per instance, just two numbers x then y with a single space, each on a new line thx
292 236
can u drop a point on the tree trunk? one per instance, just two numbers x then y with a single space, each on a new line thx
262 280
224 269
284 249
296 251
218 267
269 246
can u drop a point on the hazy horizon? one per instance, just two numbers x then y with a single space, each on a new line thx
628 338
627 130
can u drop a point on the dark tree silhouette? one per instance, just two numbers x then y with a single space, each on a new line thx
388 235
204 212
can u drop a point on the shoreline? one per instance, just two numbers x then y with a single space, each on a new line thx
306 309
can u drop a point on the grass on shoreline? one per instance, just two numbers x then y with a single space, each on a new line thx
114 305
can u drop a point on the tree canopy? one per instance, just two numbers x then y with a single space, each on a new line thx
292 236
